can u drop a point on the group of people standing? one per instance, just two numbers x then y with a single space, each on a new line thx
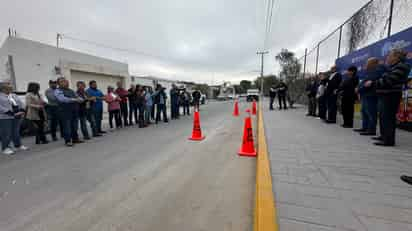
379 89
68 109
280 90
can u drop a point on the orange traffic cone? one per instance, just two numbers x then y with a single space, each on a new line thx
236 110
254 107
197 131
248 146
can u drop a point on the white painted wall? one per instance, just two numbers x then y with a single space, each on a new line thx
34 61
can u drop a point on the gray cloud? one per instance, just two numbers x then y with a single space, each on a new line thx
196 40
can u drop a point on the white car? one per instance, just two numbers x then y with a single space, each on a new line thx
252 94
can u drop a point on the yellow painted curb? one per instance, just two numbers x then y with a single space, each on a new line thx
265 217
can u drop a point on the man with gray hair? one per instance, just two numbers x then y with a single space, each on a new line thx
389 90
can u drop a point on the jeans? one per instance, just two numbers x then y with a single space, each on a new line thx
40 135
70 122
147 114
141 115
271 100
161 109
348 110
132 111
312 106
115 114
174 109
53 116
10 131
369 113
322 107
123 112
186 108
282 100
98 116
389 108
332 107
83 126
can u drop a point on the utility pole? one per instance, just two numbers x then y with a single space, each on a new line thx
390 18
58 37
262 54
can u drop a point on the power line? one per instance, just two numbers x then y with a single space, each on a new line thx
65 36
269 20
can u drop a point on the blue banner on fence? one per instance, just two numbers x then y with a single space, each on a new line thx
401 40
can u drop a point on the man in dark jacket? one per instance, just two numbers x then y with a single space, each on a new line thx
69 103
160 101
369 100
196 99
174 102
349 96
132 104
311 91
282 90
331 94
272 96
389 89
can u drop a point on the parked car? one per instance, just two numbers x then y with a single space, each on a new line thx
203 99
252 94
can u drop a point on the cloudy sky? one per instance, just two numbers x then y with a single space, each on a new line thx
200 40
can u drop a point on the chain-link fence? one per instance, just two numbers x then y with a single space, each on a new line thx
375 21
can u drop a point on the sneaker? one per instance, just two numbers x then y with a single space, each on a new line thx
407 179
378 138
367 133
8 151
69 144
359 130
23 148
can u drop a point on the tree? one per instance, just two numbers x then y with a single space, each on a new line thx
245 85
290 70
268 81
239 89
204 88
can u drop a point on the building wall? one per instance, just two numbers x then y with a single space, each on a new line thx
34 61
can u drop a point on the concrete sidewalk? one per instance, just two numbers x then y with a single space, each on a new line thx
328 178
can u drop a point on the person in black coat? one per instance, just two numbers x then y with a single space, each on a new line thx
320 96
311 91
389 90
282 90
349 96
331 95
272 96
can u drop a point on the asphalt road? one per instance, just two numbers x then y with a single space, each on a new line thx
134 179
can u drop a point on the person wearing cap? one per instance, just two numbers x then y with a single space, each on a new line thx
52 109
113 103
11 114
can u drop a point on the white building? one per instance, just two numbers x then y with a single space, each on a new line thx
23 61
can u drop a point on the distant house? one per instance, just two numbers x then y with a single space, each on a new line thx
23 61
